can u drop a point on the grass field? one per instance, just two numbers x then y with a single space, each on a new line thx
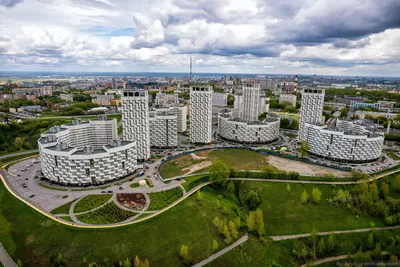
162 199
284 214
393 155
134 185
91 202
240 159
193 181
63 209
108 214
33 238
66 218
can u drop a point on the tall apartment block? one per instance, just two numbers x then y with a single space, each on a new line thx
200 114
251 100
135 120
312 103
163 129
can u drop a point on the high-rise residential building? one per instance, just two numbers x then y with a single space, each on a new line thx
135 120
164 100
220 99
114 83
163 129
249 110
200 114
312 103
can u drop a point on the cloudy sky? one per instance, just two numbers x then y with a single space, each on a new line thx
333 37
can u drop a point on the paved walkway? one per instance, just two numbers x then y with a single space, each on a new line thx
222 251
337 258
19 153
5 259
285 237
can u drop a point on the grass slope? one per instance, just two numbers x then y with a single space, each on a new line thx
162 199
33 238
63 209
91 202
108 214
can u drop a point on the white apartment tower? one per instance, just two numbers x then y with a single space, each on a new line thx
249 110
135 120
312 103
200 114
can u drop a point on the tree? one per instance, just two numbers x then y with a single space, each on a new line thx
370 241
321 247
232 229
316 195
145 263
215 245
253 200
231 187
255 222
344 112
19 142
127 263
304 148
304 197
184 253
396 184
219 224
331 242
227 234
19 263
219 172
288 187
314 237
137 262
218 204
237 222
384 189
199 196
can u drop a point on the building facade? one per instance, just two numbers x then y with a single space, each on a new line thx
85 153
347 141
135 120
249 109
163 129
288 98
312 104
233 129
200 114
219 99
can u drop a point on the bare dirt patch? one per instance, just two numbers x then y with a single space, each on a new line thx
196 167
303 168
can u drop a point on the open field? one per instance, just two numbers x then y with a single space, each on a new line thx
162 199
91 202
240 159
303 168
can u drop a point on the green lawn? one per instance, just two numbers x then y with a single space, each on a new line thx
134 185
91 202
284 214
66 218
177 166
29 236
393 155
64 209
193 181
162 199
108 214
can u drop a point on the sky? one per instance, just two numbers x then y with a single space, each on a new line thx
325 37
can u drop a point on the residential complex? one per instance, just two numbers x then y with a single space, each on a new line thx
288 99
200 114
135 120
345 141
220 99
86 152
247 128
312 103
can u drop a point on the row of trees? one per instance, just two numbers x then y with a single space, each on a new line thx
59 261
316 196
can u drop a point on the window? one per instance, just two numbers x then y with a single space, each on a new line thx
55 158
87 172
233 131
91 162
123 165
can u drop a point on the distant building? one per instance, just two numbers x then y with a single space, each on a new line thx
289 87
219 99
67 97
114 83
200 114
249 110
102 100
164 100
16 110
3 97
135 120
288 98
356 105
35 108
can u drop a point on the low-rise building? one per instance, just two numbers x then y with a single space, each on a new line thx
288 98
67 97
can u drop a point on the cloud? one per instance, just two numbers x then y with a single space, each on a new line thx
10 3
221 35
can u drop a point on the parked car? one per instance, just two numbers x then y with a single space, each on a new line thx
31 196
109 191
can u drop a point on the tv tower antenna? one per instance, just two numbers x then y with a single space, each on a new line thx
191 69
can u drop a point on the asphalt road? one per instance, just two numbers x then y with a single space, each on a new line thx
18 153
5 259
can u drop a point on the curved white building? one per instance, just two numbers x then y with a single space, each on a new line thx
347 141
86 152
234 129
